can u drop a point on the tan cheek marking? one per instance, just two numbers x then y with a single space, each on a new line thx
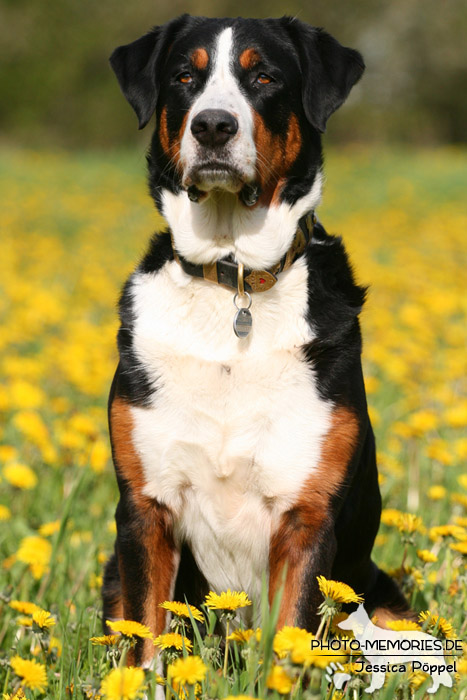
171 146
164 132
293 143
270 150
300 526
276 155
249 58
200 58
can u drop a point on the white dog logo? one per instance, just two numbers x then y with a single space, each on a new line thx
384 648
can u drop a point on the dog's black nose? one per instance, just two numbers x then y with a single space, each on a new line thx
214 127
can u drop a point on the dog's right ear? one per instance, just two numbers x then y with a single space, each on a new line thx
138 67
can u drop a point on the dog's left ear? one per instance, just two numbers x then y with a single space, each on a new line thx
138 67
329 70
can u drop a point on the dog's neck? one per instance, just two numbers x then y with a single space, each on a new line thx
220 224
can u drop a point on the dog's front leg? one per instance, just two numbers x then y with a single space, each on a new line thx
304 542
147 557
301 549
147 564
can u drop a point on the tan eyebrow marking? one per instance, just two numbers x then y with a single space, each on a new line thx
200 58
249 58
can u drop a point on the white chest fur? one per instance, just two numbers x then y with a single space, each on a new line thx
235 426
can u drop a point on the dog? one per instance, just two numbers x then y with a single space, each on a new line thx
418 648
238 420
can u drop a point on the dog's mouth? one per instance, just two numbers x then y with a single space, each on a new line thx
215 174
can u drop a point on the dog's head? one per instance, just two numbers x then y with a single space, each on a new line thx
240 103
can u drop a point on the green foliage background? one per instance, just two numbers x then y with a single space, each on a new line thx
58 90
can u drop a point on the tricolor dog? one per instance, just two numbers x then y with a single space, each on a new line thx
238 420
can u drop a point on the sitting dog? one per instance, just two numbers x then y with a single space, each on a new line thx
238 419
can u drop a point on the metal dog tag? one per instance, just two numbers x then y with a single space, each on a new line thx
242 323
242 320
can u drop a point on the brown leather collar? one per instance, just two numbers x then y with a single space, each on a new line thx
226 271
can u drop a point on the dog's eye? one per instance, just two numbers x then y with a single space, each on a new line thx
185 77
264 79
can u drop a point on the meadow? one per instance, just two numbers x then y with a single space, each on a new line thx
73 226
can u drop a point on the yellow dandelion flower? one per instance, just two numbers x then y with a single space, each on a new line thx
172 640
439 531
460 498
390 517
20 475
32 426
460 447
187 670
50 528
96 581
5 512
462 479
227 600
432 621
460 520
19 695
32 673
82 423
381 539
417 679
423 421
8 453
426 556
123 684
321 657
289 637
301 654
462 667
456 416
460 547
402 625
337 591
336 630
296 643
100 455
183 692
437 493
409 576
279 680
244 636
36 552
24 621
129 628
43 619
56 645
24 606
105 640
181 610
409 523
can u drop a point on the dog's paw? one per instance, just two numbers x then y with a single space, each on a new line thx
336 675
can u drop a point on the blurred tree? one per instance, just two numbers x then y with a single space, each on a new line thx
57 88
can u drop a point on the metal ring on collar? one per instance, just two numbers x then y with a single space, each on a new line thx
248 296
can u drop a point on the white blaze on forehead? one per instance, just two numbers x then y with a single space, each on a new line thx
222 91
